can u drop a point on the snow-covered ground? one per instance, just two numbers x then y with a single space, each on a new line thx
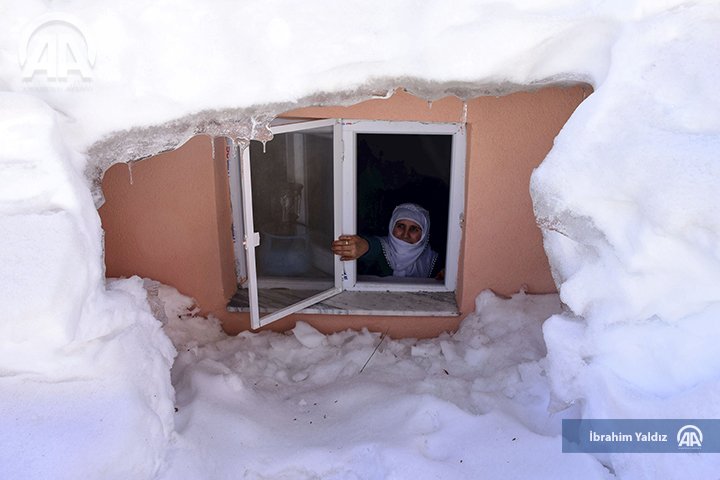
355 405
627 200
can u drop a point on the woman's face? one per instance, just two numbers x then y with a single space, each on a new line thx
407 231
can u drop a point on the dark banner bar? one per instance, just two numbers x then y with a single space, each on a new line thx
641 436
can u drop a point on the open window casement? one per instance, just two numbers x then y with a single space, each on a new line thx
294 195
289 189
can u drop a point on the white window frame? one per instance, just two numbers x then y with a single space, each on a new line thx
345 212
350 130
243 219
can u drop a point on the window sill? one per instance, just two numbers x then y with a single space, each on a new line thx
401 304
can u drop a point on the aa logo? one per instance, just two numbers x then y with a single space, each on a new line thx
55 47
690 436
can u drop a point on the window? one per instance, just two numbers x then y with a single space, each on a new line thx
317 179
439 150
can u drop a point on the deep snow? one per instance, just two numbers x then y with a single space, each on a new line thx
627 201
305 405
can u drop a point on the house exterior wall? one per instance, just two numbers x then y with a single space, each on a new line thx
165 225
168 218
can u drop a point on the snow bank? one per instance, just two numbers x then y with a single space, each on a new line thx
627 198
303 405
84 386
160 75
629 201
630 211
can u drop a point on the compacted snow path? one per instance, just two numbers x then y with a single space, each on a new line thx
301 406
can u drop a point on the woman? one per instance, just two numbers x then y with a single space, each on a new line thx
405 252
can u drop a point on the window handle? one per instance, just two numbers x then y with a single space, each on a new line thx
252 241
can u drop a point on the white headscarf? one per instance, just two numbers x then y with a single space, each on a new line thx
409 259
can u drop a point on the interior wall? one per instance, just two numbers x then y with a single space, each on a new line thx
172 223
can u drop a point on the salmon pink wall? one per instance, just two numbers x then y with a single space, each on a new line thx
509 137
168 218
173 222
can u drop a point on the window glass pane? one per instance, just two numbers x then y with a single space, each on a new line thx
401 168
292 188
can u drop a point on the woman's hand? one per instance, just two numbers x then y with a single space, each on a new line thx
350 247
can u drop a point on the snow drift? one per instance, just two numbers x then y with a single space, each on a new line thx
627 198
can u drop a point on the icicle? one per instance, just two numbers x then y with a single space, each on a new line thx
465 113
430 104
264 142
130 164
